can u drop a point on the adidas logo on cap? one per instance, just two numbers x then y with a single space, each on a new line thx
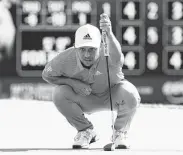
87 37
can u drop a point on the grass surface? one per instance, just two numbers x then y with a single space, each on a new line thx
38 128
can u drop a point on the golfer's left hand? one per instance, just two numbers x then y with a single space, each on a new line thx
105 23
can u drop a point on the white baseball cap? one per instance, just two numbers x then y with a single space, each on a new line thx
87 35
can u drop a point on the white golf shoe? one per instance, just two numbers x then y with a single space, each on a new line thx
121 140
84 138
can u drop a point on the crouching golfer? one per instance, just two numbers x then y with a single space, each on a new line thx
80 76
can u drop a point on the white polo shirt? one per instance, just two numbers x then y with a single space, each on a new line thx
67 64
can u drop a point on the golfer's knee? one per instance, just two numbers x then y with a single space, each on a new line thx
132 100
129 96
61 93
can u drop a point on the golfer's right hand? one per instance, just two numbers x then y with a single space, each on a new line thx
81 88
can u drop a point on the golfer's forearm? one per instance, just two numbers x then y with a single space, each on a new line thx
114 47
58 80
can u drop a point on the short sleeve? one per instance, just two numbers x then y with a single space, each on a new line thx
59 66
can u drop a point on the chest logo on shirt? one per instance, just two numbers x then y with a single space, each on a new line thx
87 37
98 73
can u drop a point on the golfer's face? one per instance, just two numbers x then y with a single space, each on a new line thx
88 55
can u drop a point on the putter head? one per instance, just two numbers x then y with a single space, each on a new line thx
109 147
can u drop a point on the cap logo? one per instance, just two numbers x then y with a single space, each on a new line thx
87 37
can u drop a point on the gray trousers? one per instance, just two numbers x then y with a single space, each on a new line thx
125 98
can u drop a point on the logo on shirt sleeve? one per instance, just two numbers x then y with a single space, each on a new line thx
49 69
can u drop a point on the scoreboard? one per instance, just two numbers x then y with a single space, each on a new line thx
149 31
173 38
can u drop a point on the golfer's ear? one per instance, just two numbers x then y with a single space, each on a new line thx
74 46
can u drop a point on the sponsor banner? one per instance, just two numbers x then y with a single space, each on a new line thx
31 91
173 91
3 92
164 90
149 89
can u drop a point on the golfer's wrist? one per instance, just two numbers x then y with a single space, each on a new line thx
72 82
110 35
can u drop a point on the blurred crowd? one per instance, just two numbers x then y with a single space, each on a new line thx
7 34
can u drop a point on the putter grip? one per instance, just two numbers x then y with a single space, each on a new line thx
104 36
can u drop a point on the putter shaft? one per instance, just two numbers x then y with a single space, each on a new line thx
106 54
